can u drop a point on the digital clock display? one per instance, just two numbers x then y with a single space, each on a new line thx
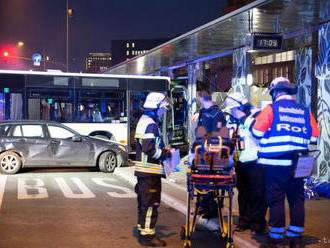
267 42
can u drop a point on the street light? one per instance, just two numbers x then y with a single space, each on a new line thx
20 43
69 14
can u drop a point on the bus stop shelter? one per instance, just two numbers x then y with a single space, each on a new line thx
304 27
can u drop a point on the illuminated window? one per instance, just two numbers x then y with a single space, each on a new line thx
127 53
127 45
133 44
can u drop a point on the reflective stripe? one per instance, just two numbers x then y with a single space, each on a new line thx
314 139
274 162
149 168
297 229
258 133
279 148
277 229
275 235
292 234
287 138
149 136
157 153
249 121
147 230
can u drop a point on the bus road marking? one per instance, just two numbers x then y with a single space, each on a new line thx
35 188
23 188
3 179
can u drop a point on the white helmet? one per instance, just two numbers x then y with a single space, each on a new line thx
155 100
235 99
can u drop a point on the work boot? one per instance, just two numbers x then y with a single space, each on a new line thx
296 242
151 240
273 243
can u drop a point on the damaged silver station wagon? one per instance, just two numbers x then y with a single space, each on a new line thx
51 144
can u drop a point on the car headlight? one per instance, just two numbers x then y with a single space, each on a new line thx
123 148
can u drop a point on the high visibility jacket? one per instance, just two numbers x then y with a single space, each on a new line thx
149 145
251 144
284 127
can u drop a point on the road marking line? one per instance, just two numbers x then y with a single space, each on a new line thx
3 179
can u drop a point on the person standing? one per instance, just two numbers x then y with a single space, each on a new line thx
150 153
285 128
212 119
250 176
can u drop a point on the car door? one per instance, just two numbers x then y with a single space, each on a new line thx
70 148
32 141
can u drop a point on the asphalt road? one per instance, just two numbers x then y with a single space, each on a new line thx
79 208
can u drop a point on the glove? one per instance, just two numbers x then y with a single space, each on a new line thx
167 153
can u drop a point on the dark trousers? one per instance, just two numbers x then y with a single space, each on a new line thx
148 191
251 196
280 183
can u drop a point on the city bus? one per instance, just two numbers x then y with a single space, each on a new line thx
103 105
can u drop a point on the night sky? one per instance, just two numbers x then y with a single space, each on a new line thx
40 24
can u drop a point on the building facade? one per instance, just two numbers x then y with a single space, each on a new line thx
122 50
98 62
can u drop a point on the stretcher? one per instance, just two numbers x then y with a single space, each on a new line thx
209 173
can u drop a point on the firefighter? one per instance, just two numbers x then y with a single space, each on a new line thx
285 128
212 119
150 152
250 177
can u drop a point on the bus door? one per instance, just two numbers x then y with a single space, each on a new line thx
11 97
177 120
136 101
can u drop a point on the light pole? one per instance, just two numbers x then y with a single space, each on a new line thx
69 13
67 36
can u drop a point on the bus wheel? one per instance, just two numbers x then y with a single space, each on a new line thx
10 163
108 162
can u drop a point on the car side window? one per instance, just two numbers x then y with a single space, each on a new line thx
33 131
17 131
4 129
59 132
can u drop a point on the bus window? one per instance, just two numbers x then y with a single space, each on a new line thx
54 105
101 105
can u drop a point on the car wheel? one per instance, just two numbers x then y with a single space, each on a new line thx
108 162
10 163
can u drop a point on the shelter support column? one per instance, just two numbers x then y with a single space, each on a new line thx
192 88
303 76
241 68
322 72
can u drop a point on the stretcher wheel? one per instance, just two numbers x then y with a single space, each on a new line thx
183 232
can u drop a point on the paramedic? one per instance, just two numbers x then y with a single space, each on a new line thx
285 128
212 118
250 177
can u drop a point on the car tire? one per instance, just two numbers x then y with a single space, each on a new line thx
10 163
108 162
